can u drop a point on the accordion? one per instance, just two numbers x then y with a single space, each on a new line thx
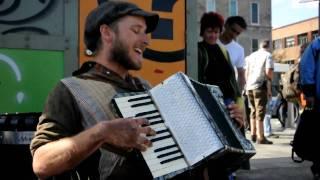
192 125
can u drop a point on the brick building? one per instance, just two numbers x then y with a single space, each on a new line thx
288 39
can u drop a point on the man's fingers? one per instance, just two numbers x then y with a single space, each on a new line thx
143 127
141 121
148 131
143 143
239 122
237 114
141 147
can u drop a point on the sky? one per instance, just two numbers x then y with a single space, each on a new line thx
286 12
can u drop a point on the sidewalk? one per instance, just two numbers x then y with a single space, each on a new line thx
273 162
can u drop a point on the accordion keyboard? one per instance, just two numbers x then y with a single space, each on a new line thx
164 156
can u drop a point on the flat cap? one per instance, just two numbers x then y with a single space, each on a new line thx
110 11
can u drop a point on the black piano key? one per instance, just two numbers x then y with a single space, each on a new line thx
153 117
160 138
141 104
161 131
165 148
171 159
156 122
139 98
146 113
168 153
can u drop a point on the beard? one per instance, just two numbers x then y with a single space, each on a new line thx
120 54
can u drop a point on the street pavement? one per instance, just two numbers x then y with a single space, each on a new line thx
273 162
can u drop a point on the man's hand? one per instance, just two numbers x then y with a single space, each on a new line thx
236 113
127 133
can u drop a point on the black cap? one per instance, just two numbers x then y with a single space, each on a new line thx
107 13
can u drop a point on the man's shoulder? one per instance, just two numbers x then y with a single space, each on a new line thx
265 52
235 48
253 55
75 82
235 44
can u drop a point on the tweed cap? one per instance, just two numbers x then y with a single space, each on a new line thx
107 13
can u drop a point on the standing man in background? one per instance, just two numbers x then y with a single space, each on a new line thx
259 72
233 27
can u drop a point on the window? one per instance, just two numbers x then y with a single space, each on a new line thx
290 42
211 5
233 7
277 44
314 34
254 45
302 39
254 13
289 62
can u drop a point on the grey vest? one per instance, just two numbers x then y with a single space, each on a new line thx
94 99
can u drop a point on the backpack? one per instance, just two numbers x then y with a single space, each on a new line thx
290 84
304 143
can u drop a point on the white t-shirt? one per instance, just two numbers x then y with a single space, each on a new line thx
236 53
256 65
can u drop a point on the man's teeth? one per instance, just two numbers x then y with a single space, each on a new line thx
138 50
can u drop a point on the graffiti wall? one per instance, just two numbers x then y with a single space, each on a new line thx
166 53
32 52
26 17
26 78
42 41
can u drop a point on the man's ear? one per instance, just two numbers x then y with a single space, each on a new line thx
106 33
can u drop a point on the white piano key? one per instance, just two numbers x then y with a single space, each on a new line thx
158 127
131 104
154 122
174 166
164 142
162 145
160 135
124 102
130 112
159 144
126 98
155 154
152 115
170 166
155 162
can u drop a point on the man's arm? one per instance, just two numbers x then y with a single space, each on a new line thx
307 72
241 71
64 154
269 73
269 66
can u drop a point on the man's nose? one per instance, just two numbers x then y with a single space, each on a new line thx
146 40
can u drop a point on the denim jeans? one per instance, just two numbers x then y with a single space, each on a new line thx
267 119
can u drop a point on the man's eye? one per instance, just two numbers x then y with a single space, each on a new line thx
136 31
